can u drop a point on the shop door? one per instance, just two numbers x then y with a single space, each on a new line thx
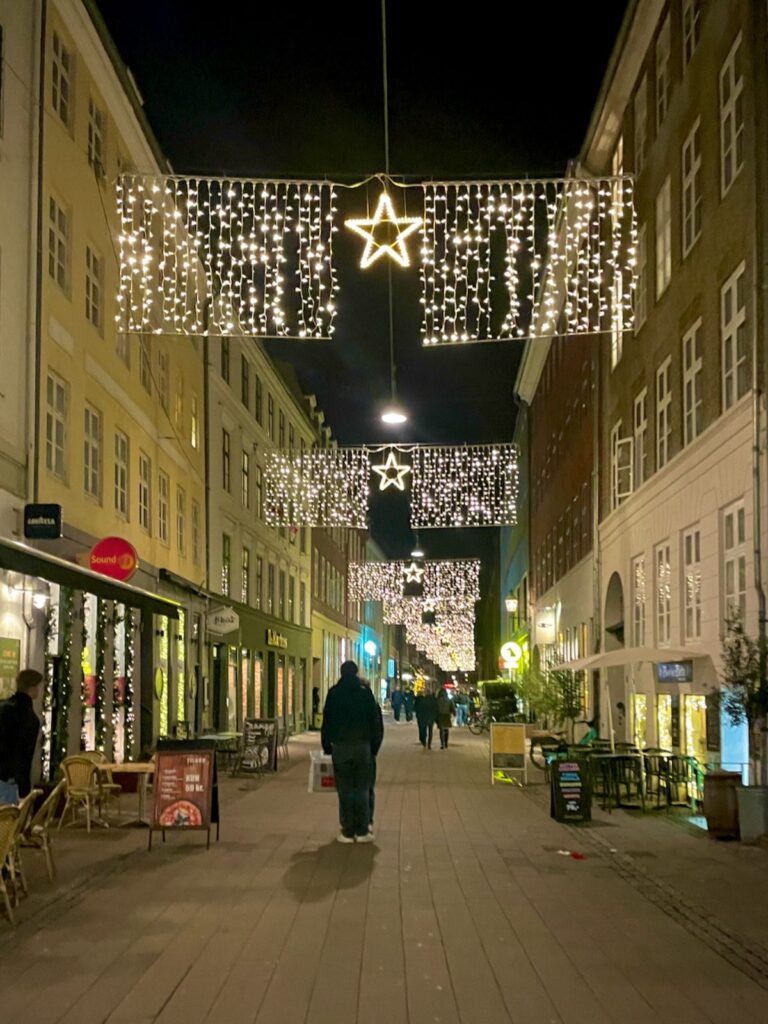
639 719
696 726
664 721
232 690
271 684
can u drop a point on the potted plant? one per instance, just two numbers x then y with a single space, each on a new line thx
745 700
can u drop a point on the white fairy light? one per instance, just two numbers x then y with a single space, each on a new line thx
369 227
392 472
447 638
218 256
317 487
472 485
442 580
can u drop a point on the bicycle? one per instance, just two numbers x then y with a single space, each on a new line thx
479 721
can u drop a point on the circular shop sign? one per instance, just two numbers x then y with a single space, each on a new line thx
114 557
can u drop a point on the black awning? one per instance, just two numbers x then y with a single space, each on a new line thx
30 562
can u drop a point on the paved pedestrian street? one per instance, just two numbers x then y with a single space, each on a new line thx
466 909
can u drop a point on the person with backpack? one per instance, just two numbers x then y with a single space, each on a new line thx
445 712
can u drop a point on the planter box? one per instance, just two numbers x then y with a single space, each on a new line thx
753 812
721 808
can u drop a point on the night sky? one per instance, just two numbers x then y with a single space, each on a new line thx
295 89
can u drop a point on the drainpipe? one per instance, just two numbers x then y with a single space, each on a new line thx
34 352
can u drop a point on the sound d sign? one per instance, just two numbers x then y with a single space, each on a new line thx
114 557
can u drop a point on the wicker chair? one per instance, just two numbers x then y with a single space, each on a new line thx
9 816
82 781
36 835
26 810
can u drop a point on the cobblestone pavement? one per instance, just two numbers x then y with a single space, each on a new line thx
464 910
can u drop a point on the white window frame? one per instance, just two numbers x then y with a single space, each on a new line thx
163 379
94 288
621 466
733 328
122 474
245 576
731 89
145 492
259 492
258 595
663 54
640 110
734 547
245 479
639 597
145 363
663 404
691 544
691 29
226 564
693 402
92 451
641 289
663 580
195 527
163 502
97 131
691 184
617 320
194 431
62 75
181 520
57 408
663 237
59 233
640 436
226 460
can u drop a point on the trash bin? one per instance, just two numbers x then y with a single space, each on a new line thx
753 812
721 808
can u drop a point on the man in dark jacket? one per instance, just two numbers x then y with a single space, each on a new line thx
396 700
425 706
19 726
408 705
352 733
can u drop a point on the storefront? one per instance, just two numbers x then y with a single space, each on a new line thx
259 668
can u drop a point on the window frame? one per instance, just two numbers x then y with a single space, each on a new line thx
663 578
730 333
59 244
122 475
93 447
663 410
640 438
690 198
734 553
691 588
728 111
663 249
693 401
145 492
662 70
163 507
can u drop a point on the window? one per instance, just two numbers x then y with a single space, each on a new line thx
258 409
281 595
693 406
281 429
123 349
178 402
735 561
641 292
245 382
58 244
315 573
163 383
663 238
61 80
692 583
259 493
194 434
733 330
641 123
121 473
663 595
195 533
145 492
291 598
691 189
97 123
615 439
145 363
663 75
731 117
291 437
271 417
640 433
181 520
92 452
663 402
226 563
163 498
257 597
245 579
271 589
94 287
225 359
638 601
303 603
245 479
225 467
691 29
303 539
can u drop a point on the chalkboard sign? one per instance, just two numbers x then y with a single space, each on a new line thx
571 790
258 747
507 749
186 792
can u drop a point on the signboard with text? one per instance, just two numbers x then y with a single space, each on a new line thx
10 657
114 557
571 790
185 787
508 745
674 671
258 749
42 521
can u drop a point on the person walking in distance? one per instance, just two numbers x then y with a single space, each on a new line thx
19 728
352 733
408 700
397 702
425 707
445 712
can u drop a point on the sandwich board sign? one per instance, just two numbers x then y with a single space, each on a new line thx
508 752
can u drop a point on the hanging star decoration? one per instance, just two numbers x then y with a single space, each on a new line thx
413 572
392 473
384 223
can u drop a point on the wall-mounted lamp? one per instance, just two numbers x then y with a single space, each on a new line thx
510 603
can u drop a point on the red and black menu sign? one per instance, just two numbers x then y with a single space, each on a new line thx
185 786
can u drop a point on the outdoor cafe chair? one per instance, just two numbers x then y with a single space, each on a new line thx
36 835
83 790
110 790
9 816
26 808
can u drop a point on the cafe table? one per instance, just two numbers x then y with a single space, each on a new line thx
141 768
611 768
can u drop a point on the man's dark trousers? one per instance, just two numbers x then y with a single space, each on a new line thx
352 768
425 732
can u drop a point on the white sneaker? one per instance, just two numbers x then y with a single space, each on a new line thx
365 839
341 838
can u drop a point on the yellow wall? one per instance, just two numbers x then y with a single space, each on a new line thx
87 358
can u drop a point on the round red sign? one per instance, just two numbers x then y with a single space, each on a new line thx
114 557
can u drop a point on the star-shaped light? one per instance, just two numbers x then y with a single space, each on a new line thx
387 468
413 572
384 215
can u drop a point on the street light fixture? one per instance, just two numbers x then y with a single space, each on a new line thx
511 604
393 415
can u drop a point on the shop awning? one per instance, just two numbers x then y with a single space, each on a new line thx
23 559
632 656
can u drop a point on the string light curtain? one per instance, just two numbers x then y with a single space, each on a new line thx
226 255
317 487
443 580
470 485
567 247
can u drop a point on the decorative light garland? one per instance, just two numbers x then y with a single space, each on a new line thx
130 659
225 255
448 639
367 228
472 485
317 487
391 472
103 622
569 249
443 580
